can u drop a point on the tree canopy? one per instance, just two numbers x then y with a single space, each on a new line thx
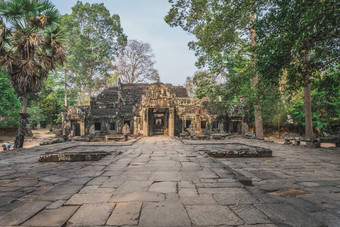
135 63
94 38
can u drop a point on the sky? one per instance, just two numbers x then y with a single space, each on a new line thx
143 20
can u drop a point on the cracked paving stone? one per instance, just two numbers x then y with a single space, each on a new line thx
55 217
164 214
80 199
125 214
91 214
209 215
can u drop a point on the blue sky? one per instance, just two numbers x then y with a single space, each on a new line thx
142 20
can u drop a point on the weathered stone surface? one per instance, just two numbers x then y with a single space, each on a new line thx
55 217
91 214
80 199
125 214
72 156
183 192
138 197
203 199
234 196
250 214
23 213
209 215
166 176
63 191
133 186
164 187
164 214
56 204
287 214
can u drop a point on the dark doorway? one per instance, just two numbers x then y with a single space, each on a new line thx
158 121
76 129
235 127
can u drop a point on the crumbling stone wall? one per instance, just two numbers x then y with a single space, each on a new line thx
131 104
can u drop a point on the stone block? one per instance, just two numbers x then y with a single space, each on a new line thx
209 215
164 187
91 214
125 214
138 197
80 199
164 214
22 213
234 196
250 214
55 217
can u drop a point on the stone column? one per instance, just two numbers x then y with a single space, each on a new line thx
171 122
82 128
135 126
145 122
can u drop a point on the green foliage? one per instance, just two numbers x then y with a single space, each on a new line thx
30 42
10 104
36 115
325 101
299 36
206 85
93 40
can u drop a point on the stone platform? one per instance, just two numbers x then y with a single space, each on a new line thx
159 181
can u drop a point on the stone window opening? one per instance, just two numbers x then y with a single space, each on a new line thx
97 126
113 126
187 123
127 122
215 125
203 124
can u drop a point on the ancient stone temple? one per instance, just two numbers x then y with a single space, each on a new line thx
149 109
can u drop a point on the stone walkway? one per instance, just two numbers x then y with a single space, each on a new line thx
159 181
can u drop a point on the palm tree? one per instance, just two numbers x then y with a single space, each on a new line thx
30 47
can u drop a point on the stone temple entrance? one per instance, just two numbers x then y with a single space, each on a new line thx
158 121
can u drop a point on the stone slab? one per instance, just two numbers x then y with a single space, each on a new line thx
80 199
288 214
55 217
23 213
138 197
91 214
133 186
164 187
234 196
164 214
183 192
209 215
166 176
250 214
125 214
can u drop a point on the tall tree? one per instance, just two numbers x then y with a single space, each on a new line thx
302 38
30 48
135 64
94 38
10 104
225 31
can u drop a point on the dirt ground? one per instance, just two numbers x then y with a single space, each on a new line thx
38 136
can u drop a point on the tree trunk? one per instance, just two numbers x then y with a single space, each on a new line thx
308 111
65 89
308 105
258 113
19 139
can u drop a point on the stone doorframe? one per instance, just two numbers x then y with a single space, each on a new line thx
157 96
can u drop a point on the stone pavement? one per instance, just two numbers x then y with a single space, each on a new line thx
159 181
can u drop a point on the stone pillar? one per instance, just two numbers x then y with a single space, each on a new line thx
82 128
171 122
145 122
135 126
